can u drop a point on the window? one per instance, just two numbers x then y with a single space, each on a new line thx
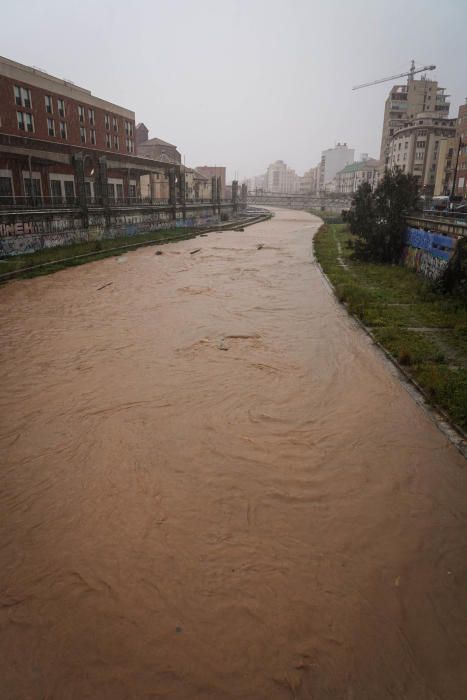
32 187
25 121
26 95
69 191
115 123
63 132
116 143
129 145
91 116
23 97
107 141
6 190
119 191
48 104
107 121
50 127
81 114
61 108
56 190
82 134
128 128
93 136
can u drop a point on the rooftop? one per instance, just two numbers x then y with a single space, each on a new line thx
361 165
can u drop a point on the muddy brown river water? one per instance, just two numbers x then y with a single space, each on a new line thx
213 487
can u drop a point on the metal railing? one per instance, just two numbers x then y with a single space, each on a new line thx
37 202
446 214
18 203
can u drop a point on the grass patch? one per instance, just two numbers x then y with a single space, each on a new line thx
329 217
423 330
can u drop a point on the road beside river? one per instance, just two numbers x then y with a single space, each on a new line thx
213 487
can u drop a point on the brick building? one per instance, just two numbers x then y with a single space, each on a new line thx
155 148
58 142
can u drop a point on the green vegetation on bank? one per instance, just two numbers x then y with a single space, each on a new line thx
422 329
329 217
99 249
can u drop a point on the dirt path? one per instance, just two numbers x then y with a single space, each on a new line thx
213 487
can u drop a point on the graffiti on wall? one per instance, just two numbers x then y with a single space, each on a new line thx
427 252
19 228
424 262
439 245
29 236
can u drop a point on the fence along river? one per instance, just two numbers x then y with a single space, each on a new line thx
213 487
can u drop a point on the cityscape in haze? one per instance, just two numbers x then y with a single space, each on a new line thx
248 83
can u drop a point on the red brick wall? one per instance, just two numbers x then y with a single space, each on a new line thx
9 124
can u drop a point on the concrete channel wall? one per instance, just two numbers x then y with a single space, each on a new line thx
28 231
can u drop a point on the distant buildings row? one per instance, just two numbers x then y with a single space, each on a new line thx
59 143
418 137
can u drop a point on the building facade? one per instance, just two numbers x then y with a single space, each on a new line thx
211 171
332 161
276 177
59 143
349 179
460 188
445 166
415 148
308 182
157 149
404 102
40 106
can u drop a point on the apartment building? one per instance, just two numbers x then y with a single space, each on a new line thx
349 179
308 181
415 148
460 188
332 161
445 166
404 102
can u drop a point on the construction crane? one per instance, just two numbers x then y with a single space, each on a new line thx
409 73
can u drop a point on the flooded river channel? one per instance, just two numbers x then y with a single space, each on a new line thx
213 487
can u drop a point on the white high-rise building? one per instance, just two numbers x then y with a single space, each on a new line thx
332 161
276 177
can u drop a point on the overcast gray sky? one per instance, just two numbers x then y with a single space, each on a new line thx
244 82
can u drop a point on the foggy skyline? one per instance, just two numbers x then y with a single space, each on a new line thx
243 83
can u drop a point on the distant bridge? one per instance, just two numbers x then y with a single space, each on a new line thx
329 202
